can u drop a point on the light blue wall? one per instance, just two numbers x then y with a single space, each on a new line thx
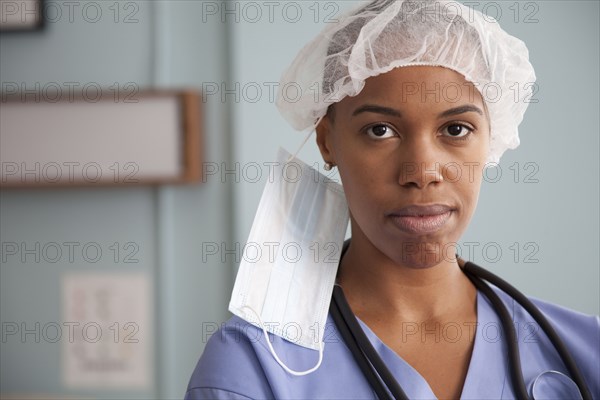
167 47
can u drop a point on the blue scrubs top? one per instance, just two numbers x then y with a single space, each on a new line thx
237 363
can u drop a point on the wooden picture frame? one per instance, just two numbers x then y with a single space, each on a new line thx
119 138
21 16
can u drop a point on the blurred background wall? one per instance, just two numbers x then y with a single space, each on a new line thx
537 223
162 45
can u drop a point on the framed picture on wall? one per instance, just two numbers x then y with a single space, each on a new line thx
103 138
21 15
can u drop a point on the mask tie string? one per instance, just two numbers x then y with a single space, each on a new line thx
272 350
305 139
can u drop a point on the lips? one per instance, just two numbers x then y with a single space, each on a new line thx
421 219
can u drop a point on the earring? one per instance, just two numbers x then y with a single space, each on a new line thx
328 166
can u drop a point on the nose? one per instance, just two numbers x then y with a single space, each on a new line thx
421 164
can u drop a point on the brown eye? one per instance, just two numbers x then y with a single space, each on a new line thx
380 131
457 130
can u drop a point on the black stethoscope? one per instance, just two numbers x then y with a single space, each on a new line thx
383 382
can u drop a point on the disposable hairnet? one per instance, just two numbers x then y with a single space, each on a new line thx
387 34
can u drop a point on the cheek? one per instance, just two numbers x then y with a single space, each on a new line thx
363 191
360 174
358 170
470 187
469 176
356 185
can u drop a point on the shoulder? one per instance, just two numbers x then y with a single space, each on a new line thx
230 365
571 325
579 332
581 335
566 317
238 363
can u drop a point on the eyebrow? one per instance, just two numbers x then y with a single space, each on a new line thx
373 108
460 110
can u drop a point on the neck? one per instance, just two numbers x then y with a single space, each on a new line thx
376 287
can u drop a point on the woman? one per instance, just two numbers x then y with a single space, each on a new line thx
407 116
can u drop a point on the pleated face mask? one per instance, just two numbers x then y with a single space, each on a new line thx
286 276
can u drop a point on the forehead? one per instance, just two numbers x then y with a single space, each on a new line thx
417 84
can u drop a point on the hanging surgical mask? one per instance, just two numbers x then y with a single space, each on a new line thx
286 276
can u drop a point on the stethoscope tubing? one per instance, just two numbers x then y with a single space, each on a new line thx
359 356
516 371
377 373
547 328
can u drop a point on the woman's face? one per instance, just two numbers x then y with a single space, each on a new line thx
410 149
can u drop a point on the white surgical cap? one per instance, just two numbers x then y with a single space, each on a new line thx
386 34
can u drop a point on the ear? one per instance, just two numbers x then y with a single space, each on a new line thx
325 139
